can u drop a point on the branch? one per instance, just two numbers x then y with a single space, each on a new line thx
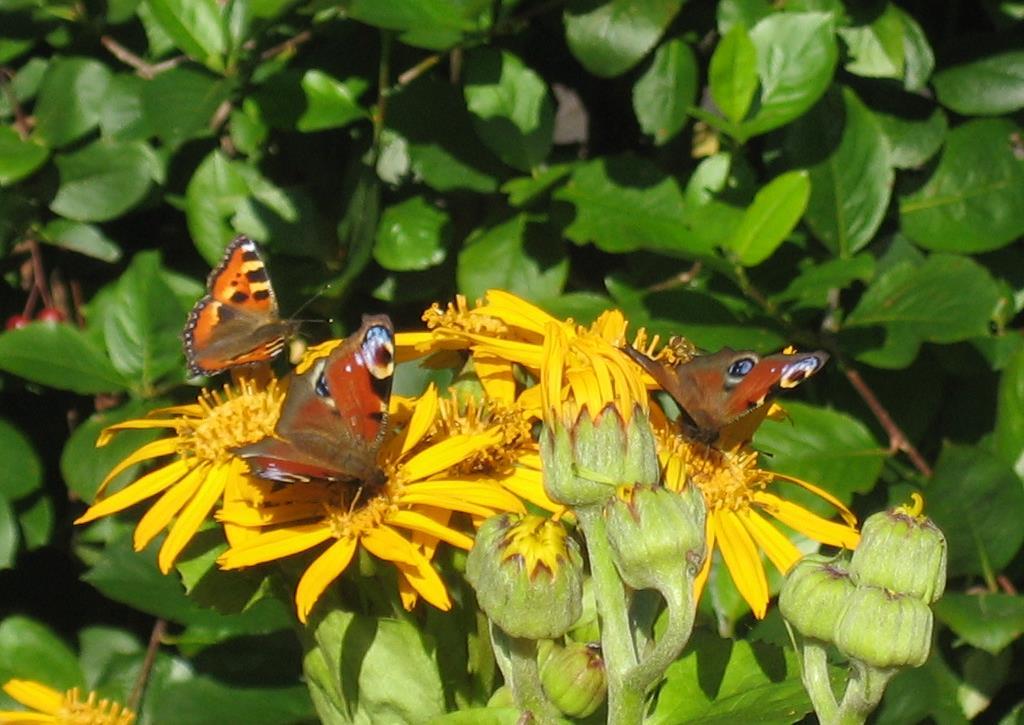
898 440
288 45
159 627
142 68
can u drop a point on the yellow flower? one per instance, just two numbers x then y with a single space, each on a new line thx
50 706
401 521
203 467
740 512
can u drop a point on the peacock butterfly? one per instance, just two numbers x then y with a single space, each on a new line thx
334 414
715 389
236 322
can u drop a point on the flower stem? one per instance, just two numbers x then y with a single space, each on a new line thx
625 700
519 666
863 693
681 612
816 680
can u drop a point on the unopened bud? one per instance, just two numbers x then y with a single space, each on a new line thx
902 552
814 595
884 629
574 678
657 536
527 574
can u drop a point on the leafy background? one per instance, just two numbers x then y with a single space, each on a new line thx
839 175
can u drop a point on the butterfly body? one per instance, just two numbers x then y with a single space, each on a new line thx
334 414
236 322
716 389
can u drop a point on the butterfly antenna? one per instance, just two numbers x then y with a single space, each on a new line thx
316 295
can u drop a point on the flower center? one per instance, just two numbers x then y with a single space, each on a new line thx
458 317
92 711
354 510
490 418
539 542
728 479
234 417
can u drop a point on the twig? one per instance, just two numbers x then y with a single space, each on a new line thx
677 280
39 273
144 69
408 76
383 74
288 45
898 440
159 627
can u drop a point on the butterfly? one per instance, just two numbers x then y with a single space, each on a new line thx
334 414
716 389
236 322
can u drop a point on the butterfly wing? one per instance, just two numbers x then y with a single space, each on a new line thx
237 321
334 414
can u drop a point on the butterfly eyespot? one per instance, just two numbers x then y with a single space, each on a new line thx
742 367
380 352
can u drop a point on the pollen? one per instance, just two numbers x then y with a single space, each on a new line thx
676 351
92 710
351 512
231 417
489 418
458 316
728 479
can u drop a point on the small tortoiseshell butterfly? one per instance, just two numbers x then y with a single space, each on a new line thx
334 414
716 389
237 321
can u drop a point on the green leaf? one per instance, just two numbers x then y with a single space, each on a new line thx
179 103
24 85
813 285
445 155
611 37
972 201
9 536
512 109
433 24
103 180
625 203
746 12
330 103
796 57
100 646
203 700
1008 439
122 117
829 448
913 139
876 49
30 650
61 356
86 239
479 716
19 158
988 621
992 85
918 58
912 301
379 670
985 536
143 324
508 256
843 147
768 221
526 190
412 235
36 517
22 472
666 90
195 27
214 192
721 681
732 74
70 100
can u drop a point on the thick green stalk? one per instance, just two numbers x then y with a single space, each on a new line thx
681 612
816 680
863 693
625 700
517 657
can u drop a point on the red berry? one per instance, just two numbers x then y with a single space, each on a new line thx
15 322
50 314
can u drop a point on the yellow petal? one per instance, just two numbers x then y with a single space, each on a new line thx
149 485
524 353
155 449
107 434
515 311
35 695
472 492
780 551
160 514
192 517
847 515
552 371
807 523
426 581
442 456
497 376
742 560
710 536
327 567
415 521
26 718
287 513
387 544
422 419
528 485
277 544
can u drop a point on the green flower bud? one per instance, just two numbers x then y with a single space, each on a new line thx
584 464
574 678
814 595
657 536
903 552
528 575
884 629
